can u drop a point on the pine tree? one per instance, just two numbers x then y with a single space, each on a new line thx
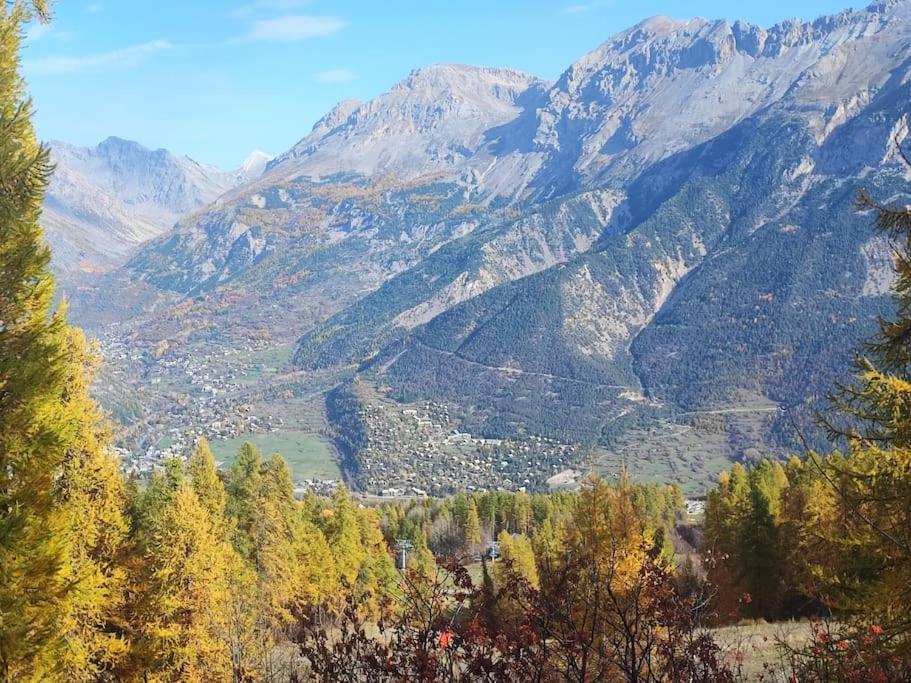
487 511
92 491
187 609
608 532
521 513
726 508
273 550
459 505
758 550
148 503
243 487
811 521
472 534
294 562
206 482
516 551
544 543
244 628
53 585
243 631
344 536
542 507
378 575
421 561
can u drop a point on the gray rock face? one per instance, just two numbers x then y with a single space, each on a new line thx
436 120
665 86
105 200
658 88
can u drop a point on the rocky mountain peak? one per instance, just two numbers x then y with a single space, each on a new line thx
434 119
885 6
336 117
463 81
667 84
116 145
104 200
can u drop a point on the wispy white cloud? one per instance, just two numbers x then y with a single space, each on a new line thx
124 58
584 7
335 76
94 8
293 27
37 31
268 7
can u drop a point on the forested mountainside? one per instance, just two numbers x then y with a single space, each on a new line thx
664 232
719 222
106 200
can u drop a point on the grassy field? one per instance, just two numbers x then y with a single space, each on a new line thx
256 366
752 647
692 450
667 452
309 456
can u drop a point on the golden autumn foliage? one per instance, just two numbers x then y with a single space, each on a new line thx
294 561
91 490
608 532
472 525
61 495
207 485
516 552
186 604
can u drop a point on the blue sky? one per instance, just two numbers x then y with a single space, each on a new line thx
215 79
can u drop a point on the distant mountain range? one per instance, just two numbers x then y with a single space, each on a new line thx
106 200
666 231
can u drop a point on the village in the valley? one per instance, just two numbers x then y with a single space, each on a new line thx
166 399
420 449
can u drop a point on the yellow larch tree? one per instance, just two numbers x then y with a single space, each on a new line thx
59 585
188 603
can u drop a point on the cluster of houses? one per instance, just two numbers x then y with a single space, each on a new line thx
420 451
426 423
189 395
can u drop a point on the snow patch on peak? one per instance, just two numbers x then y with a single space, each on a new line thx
254 165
